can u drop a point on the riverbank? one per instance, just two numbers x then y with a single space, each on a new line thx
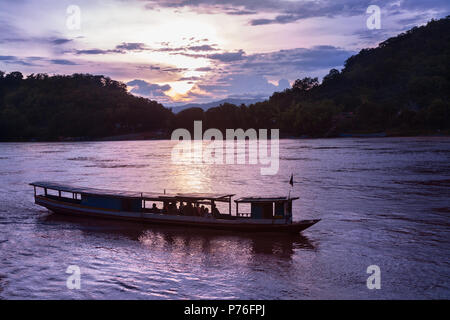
166 136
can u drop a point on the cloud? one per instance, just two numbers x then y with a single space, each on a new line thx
15 60
205 47
413 20
282 19
283 84
149 90
7 58
30 61
63 62
194 48
131 46
294 62
122 48
283 63
189 78
240 12
173 69
322 56
288 11
227 56
204 69
60 41
137 46
243 85
169 49
96 51
13 35
249 75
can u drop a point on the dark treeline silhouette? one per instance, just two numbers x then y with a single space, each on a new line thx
80 105
400 87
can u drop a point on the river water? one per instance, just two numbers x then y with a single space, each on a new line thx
382 201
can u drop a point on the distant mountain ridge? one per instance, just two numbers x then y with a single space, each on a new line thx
208 105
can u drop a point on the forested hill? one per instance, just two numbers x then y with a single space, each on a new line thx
83 106
400 87
403 84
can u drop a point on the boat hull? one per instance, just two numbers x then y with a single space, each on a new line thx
236 224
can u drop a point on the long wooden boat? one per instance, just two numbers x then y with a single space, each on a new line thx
273 214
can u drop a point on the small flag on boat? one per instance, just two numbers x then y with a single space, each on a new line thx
291 182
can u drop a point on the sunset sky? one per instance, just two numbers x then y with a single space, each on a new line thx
180 51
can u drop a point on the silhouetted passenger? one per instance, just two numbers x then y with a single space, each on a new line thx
207 214
215 212
190 209
172 208
182 209
198 212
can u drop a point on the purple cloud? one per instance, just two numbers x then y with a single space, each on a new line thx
227 56
146 89
63 62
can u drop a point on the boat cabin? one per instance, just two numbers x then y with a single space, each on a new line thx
136 201
90 197
195 204
205 210
266 208
217 205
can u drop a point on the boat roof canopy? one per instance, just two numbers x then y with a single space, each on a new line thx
186 197
264 200
131 194
85 190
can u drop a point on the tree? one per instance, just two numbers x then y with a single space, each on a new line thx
333 74
88 106
185 118
14 76
305 84
438 114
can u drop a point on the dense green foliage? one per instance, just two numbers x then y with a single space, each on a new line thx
80 105
400 87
